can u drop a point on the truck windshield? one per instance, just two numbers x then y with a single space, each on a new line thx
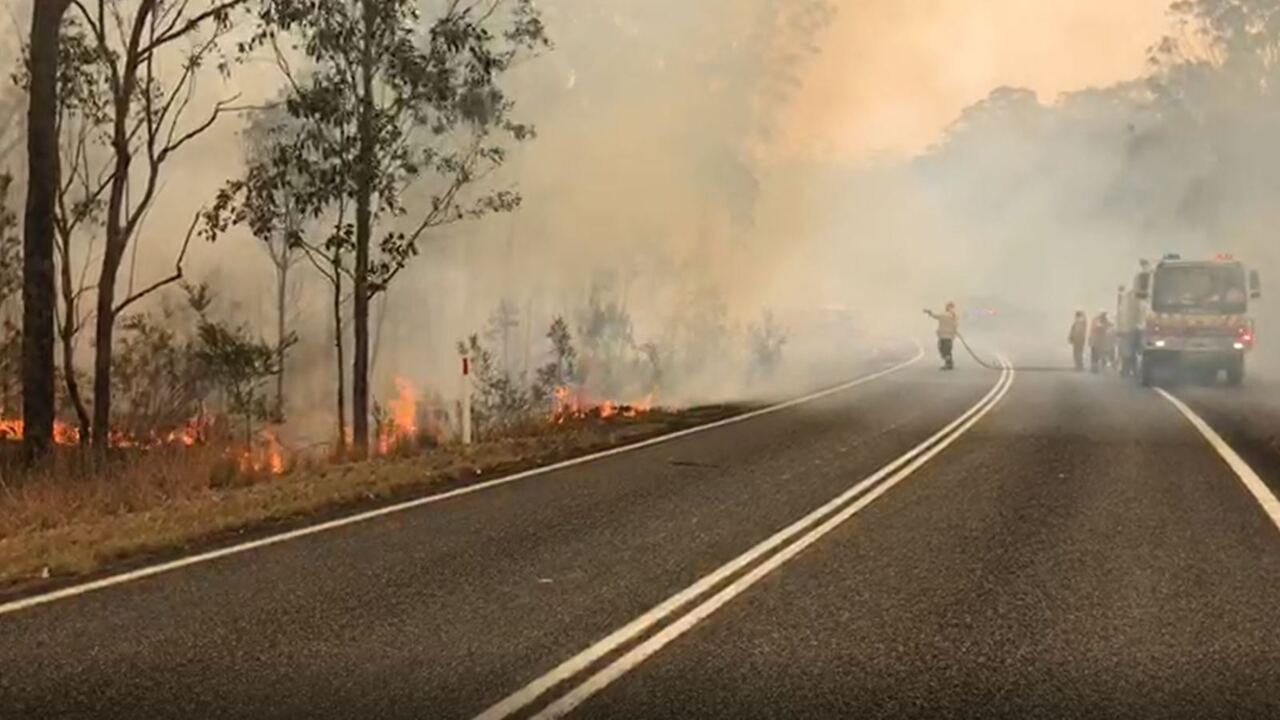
1199 288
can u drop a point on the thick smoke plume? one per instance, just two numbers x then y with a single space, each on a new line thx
729 199
1050 204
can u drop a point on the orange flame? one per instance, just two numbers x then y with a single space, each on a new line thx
191 432
565 403
568 403
64 433
10 429
274 459
402 425
264 455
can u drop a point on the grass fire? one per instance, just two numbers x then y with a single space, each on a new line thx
232 342
571 403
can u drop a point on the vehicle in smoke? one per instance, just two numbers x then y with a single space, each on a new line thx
1194 315
990 312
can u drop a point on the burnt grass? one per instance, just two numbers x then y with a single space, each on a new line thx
55 549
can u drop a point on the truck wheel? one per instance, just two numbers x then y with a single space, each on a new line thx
1235 372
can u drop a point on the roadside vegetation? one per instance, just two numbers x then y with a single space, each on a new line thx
199 455
142 413
73 519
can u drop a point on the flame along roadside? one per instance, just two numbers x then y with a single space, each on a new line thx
199 558
264 454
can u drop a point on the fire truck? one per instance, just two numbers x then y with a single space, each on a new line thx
1193 316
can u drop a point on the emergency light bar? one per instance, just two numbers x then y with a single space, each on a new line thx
1224 256
1172 256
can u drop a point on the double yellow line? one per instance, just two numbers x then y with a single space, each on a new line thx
743 571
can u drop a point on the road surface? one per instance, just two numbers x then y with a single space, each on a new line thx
925 544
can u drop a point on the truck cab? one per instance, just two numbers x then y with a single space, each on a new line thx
1193 316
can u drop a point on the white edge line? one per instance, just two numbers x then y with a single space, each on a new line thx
148 571
529 693
644 650
1264 496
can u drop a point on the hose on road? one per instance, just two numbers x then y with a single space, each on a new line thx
1020 368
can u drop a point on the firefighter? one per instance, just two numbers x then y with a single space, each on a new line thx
1077 337
1099 339
948 328
1128 334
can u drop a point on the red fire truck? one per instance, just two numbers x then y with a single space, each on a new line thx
1193 316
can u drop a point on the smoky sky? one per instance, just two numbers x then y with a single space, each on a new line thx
893 73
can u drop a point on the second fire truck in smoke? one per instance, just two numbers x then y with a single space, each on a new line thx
1193 316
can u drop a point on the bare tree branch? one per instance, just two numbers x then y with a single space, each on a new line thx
222 106
177 31
168 280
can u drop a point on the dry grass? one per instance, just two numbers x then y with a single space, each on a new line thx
70 521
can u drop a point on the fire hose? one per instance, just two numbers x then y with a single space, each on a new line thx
1019 368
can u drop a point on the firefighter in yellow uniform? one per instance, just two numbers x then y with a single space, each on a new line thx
1077 337
1100 338
948 328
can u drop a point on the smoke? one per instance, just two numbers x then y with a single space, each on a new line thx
838 164
644 190
1075 154
700 163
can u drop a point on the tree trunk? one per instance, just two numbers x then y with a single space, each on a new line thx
104 329
38 291
342 362
282 291
67 334
104 332
364 231
73 385
117 241
375 341
248 426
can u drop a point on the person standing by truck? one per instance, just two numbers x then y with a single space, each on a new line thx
1127 332
948 328
1077 336
1099 341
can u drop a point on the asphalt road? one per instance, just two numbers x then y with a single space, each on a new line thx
1079 550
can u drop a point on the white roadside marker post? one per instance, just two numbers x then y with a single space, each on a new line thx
466 400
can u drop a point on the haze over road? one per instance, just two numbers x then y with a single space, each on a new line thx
1030 544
